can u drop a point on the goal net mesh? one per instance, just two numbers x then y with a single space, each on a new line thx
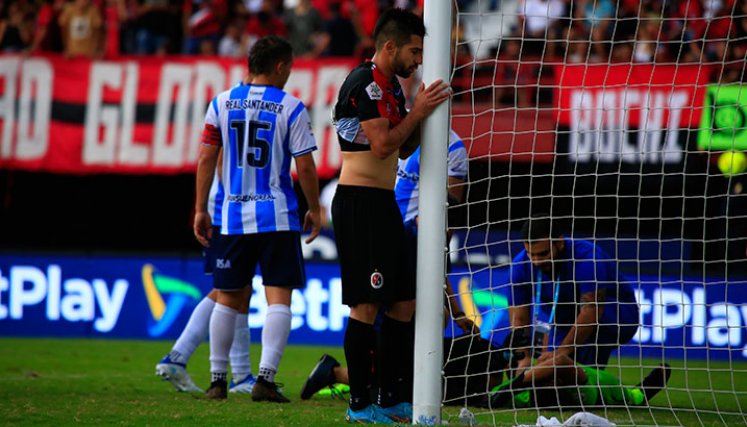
623 121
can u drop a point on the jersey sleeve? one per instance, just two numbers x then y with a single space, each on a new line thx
457 160
368 98
211 132
301 138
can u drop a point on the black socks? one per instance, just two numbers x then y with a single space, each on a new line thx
397 359
360 342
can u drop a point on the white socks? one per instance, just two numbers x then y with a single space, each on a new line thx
241 366
230 338
196 330
274 339
222 327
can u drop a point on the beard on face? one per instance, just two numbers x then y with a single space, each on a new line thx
547 268
401 69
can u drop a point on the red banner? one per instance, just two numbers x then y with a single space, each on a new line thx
627 114
508 134
136 115
602 96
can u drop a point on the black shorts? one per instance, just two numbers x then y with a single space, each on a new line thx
371 246
278 254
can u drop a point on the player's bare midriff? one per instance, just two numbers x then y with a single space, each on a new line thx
362 168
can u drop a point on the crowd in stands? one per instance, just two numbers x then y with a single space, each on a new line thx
712 32
541 31
636 31
110 28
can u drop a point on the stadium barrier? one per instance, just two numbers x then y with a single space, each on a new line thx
144 297
135 115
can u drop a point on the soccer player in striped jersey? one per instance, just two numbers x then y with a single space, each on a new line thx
260 129
173 366
406 191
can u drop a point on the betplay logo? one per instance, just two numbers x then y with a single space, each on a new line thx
714 325
164 312
72 299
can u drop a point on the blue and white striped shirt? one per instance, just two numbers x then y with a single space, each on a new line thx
408 175
217 192
262 128
215 200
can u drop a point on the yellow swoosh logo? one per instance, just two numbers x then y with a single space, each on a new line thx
155 301
468 304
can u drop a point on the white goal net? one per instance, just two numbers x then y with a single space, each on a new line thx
625 123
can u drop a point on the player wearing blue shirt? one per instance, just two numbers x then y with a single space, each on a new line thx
173 366
570 288
406 191
407 186
260 129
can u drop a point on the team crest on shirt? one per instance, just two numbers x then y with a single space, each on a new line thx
377 280
374 91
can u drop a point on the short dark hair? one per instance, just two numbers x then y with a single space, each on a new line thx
398 25
267 52
539 227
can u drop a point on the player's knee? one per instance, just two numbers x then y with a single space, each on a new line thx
236 300
402 310
365 313
278 295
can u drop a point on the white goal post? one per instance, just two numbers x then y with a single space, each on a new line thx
627 122
431 271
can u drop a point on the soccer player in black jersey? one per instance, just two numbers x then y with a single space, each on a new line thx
374 130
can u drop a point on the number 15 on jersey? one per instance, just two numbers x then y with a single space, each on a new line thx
251 136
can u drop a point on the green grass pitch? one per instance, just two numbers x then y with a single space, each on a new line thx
112 382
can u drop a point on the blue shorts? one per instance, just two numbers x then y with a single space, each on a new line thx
277 253
208 255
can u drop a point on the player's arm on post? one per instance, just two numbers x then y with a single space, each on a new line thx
385 141
411 143
307 177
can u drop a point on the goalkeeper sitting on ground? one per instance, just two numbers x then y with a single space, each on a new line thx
562 382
